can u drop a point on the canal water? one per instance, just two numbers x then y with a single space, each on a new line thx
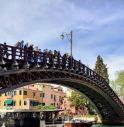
100 125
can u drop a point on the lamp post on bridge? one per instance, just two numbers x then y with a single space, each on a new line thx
69 38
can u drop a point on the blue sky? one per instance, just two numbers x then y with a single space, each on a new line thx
97 25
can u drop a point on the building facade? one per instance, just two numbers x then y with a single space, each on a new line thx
28 97
53 95
21 98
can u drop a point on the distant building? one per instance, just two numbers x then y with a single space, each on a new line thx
53 95
67 104
28 97
21 98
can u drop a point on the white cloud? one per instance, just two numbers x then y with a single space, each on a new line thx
115 63
96 25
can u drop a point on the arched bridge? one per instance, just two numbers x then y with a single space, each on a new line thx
19 67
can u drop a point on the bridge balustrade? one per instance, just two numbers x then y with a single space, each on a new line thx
13 59
25 58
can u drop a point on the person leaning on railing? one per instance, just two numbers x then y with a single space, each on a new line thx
36 53
5 50
30 53
21 48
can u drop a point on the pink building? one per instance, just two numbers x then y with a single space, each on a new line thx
50 95
53 95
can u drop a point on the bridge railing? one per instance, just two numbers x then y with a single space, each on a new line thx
14 58
26 58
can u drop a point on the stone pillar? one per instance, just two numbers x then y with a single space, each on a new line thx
42 123
42 119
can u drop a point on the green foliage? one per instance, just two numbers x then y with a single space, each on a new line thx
98 65
77 99
118 84
113 85
101 68
45 107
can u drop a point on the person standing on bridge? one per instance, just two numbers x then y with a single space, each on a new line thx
21 48
17 45
22 44
26 46
36 54
5 50
30 53
25 51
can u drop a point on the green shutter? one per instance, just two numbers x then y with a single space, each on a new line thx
8 102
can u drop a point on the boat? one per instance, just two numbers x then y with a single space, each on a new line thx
78 123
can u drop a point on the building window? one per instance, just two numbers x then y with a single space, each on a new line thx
20 103
31 103
14 92
33 94
42 94
25 102
14 103
60 98
51 96
54 97
20 92
9 93
25 92
34 103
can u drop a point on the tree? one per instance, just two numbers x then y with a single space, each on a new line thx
118 84
79 101
105 73
101 68
98 65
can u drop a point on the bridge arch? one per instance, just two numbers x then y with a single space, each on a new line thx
100 98
62 70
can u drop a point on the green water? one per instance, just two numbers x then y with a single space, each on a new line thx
100 125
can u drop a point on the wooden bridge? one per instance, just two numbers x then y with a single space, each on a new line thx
20 67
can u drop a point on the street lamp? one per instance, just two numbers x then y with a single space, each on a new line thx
69 38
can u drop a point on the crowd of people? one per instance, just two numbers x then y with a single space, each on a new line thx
27 50
23 45
26 46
